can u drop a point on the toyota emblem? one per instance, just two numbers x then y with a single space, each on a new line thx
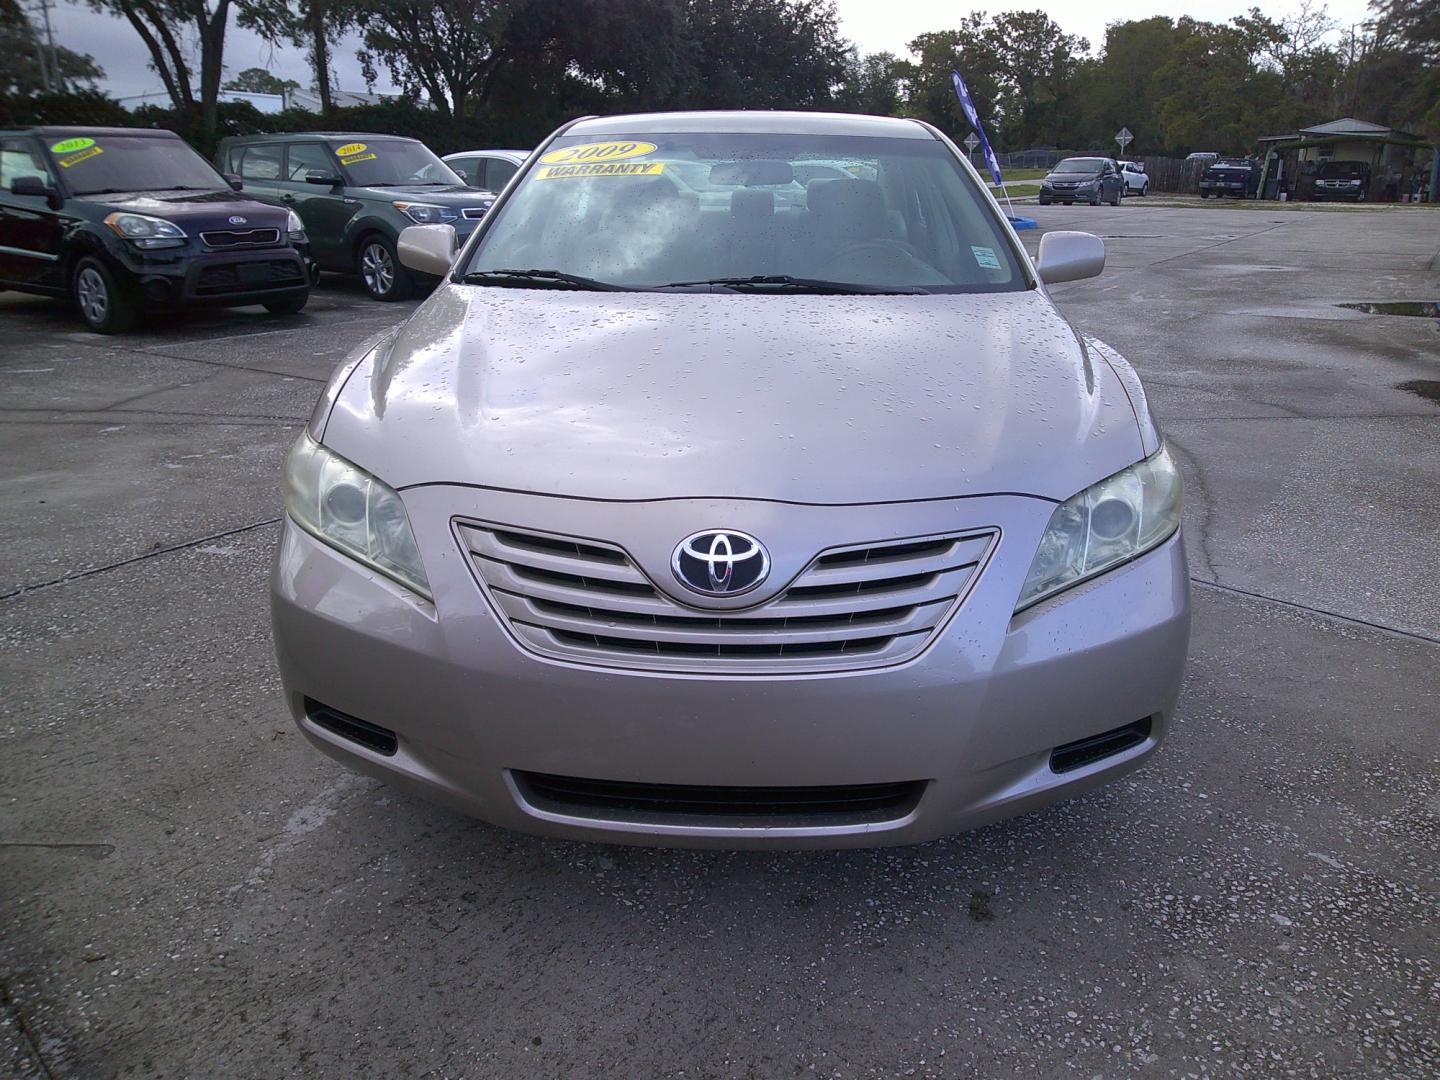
238 220
720 562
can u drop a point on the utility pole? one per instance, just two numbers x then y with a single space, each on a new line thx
51 71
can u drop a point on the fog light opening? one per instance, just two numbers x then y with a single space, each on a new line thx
372 737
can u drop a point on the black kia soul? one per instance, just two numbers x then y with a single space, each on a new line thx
128 220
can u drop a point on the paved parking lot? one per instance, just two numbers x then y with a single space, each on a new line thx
188 890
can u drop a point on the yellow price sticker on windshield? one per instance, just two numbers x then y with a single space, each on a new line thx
83 155
350 150
597 151
602 168
357 158
69 146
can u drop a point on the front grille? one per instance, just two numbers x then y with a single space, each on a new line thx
241 238
473 212
624 801
251 276
859 606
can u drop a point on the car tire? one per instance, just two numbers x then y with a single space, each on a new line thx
1044 202
287 305
1119 194
1143 189
380 271
101 302
1095 199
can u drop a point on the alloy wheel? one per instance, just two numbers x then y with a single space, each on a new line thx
378 269
92 295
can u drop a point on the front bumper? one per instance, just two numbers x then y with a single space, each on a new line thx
974 717
166 280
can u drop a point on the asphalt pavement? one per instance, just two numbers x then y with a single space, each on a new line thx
187 889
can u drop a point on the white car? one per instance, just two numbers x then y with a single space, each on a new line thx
488 169
1136 182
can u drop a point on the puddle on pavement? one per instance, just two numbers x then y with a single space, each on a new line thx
1417 309
1429 389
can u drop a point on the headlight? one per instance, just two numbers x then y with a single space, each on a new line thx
147 232
426 213
1105 525
296 228
353 512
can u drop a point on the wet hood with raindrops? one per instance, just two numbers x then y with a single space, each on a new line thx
815 399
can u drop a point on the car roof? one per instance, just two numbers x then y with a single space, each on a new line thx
521 154
743 121
49 131
282 136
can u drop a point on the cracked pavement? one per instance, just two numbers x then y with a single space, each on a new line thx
188 889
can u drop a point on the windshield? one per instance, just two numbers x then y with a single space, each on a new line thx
1342 168
877 213
391 162
95 164
1080 165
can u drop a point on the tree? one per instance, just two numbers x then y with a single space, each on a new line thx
931 94
27 68
259 81
875 83
1036 65
161 25
762 54
313 25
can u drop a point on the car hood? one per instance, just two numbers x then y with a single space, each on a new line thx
453 195
201 208
816 399
1066 176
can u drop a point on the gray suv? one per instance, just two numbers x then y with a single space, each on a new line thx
355 193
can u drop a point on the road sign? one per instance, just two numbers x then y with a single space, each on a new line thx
1124 138
971 142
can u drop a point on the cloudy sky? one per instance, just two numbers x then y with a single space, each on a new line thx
873 24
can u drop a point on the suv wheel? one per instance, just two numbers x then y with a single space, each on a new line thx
102 305
379 268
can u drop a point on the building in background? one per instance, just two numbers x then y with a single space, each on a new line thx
1402 164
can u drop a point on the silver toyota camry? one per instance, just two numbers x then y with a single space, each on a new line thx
741 486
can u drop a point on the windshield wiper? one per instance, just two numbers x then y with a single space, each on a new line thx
544 279
786 283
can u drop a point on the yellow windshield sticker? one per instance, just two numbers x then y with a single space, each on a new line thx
69 146
597 151
350 150
83 155
603 168
356 158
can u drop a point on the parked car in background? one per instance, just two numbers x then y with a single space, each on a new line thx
582 549
488 169
1083 179
1348 180
355 192
129 220
1202 155
1136 181
1237 178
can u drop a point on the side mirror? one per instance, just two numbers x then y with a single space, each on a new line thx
316 176
236 184
429 249
37 188
1068 256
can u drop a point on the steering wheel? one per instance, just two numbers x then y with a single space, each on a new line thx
879 244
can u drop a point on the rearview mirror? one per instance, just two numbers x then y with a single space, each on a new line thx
429 249
1068 256
316 176
752 173
36 187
